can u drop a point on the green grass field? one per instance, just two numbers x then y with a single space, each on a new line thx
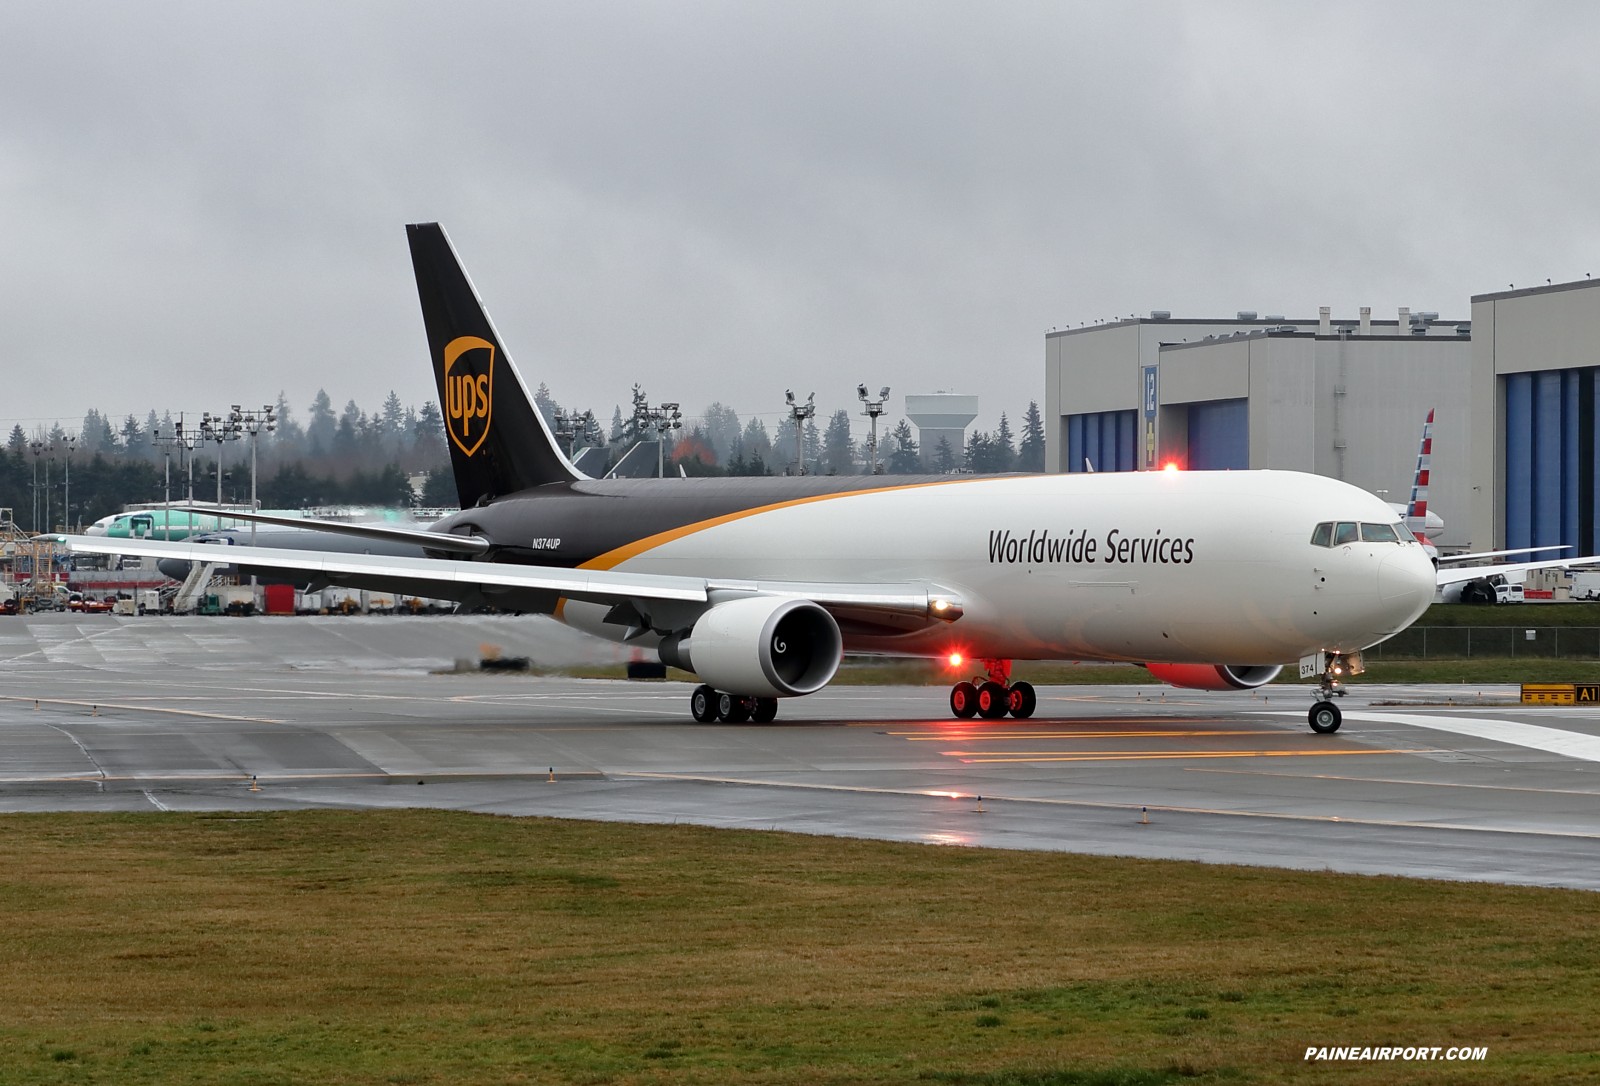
440 947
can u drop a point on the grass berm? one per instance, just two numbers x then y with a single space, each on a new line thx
444 947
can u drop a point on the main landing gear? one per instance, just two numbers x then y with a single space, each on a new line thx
993 697
709 706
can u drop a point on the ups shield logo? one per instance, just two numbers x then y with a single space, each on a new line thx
468 391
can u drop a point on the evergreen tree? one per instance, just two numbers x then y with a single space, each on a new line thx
350 423
616 425
394 418
288 439
838 451
944 457
1030 453
96 435
722 431
430 424
903 458
1005 453
546 404
757 446
783 448
813 446
322 424
17 443
440 489
133 437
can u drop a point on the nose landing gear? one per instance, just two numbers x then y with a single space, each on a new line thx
994 695
1324 716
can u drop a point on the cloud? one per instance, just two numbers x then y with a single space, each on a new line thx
202 204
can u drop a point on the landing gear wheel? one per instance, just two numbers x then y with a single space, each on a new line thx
1325 718
703 704
766 710
993 701
1022 700
964 700
733 709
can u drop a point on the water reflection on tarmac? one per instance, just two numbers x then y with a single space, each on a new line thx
185 714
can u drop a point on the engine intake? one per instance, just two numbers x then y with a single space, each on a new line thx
763 646
1216 676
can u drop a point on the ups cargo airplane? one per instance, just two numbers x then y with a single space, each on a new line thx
1212 580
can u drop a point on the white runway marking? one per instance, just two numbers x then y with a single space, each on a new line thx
1532 736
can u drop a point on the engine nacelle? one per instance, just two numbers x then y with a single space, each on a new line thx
1216 676
762 646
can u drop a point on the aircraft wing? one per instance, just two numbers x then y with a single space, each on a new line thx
1513 569
453 579
1477 555
434 541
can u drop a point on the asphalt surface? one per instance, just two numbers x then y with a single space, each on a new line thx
103 713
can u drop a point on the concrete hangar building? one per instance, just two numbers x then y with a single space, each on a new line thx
1342 398
1514 391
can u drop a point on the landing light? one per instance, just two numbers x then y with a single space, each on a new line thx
1170 467
955 659
941 605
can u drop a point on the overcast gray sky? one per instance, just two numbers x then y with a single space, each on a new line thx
203 203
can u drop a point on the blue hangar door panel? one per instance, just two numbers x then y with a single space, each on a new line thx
1219 435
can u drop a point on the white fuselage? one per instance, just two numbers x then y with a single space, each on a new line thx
1184 567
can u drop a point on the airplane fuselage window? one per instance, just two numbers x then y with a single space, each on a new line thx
1345 531
1323 535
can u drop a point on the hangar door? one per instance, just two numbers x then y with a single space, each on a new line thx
1219 435
1103 438
1550 460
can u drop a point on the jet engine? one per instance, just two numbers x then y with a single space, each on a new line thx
762 646
1216 676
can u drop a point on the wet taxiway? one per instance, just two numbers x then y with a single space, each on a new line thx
207 714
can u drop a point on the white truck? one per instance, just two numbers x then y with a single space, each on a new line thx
1586 586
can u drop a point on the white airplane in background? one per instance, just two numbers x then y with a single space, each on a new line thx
1426 525
1212 580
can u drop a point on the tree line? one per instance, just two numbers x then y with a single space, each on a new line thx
716 442
335 457
355 457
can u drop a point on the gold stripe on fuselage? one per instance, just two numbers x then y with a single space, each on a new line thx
615 557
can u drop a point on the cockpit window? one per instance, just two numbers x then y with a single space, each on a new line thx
1345 532
1378 533
1406 534
1323 535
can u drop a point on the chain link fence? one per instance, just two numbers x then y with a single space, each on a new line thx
1463 642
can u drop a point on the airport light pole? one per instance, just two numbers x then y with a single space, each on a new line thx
800 412
70 445
221 429
663 420
187 440
37 448
874 409
669 418
166 443
253 423
574 428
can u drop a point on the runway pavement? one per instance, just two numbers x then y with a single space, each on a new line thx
101 713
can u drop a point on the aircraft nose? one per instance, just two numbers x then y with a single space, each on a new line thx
1406 583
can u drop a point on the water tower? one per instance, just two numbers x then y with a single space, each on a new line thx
942 415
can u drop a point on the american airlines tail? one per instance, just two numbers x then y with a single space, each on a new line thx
1417 508
499 443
